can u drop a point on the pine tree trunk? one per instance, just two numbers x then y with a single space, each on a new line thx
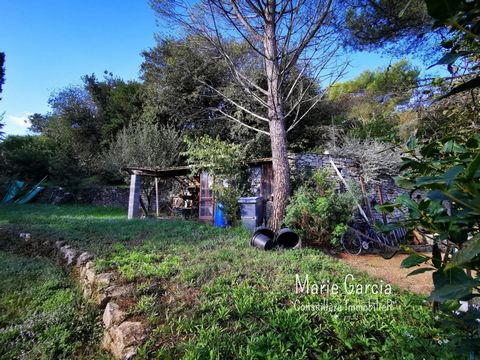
278 136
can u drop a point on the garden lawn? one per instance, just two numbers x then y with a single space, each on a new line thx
42 316
209 295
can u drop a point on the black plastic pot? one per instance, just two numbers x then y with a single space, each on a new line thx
263 238
288 239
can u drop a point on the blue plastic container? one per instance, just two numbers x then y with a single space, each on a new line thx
219 219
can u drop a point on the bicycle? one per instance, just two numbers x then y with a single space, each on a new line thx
362 237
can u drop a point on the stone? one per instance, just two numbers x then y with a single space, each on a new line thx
83 258
112 315
123 340
25 236
134 197
122 290
113 292
69 253
89 274
59 244
103 280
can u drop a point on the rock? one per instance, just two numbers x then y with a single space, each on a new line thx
25 236
117 291
69 253
59 244
112 292
112 315
123 340
103 280
83 258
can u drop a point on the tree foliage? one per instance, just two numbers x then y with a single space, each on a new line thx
447 171
142 145
226 164
26 157
399 27
377 161
371 103
2 81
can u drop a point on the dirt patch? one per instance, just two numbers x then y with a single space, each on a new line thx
390 271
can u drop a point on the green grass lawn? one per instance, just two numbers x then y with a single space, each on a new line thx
209 295
42 316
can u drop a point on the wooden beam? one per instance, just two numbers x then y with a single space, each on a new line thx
349 190
156 197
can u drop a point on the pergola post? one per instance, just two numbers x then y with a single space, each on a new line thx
156 198
134 198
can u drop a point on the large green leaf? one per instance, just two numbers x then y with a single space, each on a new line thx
470 250
414 259
420 271
472 168
443 9
449 58
452 284
469 85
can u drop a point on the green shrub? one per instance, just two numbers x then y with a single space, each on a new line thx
318 211
447 172
225 162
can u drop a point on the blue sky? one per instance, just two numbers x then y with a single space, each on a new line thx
50 44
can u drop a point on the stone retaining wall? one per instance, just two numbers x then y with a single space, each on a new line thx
122 334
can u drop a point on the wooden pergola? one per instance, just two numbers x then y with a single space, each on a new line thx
136 174
206 201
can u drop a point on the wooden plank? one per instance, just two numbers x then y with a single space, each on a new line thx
349 190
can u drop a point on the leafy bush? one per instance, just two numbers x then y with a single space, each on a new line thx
318 211
25 156
448 172
225 162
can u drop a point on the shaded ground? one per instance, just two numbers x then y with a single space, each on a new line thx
42 315
390 271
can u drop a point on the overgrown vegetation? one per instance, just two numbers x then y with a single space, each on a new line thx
226 164
209 295
320 211
448 173
42 315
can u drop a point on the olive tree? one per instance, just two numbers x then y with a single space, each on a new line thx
142 145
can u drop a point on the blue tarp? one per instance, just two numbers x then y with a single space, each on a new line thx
12 192
29 196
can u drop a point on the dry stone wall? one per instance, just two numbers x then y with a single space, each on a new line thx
105 290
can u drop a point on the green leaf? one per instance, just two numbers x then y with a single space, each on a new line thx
428 180
449 58
452 284
452 173
472 168
412 260
420 271
443 9
471 84
470 250
437 195
452 146
412 143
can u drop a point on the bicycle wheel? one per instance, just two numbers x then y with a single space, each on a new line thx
351 242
